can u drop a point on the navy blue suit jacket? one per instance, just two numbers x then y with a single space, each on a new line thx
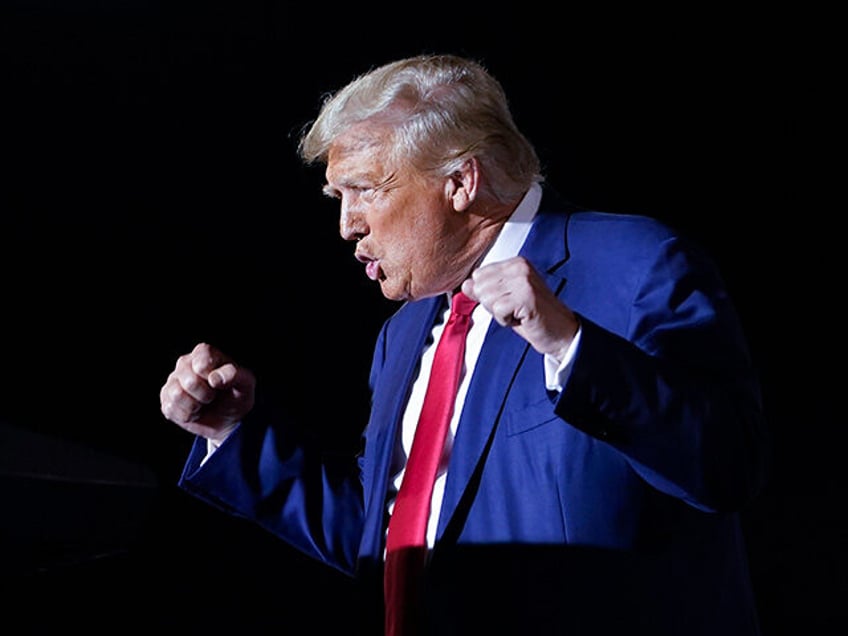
610 506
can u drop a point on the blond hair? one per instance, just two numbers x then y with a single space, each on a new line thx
442 110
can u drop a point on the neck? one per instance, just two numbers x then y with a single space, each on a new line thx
484 226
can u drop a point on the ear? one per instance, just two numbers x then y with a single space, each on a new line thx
461 186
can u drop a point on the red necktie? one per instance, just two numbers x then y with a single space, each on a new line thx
406 545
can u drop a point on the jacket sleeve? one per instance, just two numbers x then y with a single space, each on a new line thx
677 394
308 498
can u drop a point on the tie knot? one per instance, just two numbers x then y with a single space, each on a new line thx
462 304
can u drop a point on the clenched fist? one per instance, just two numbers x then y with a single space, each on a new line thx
518 297
207 393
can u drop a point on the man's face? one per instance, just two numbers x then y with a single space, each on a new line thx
407 231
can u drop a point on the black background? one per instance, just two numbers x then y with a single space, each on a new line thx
151 198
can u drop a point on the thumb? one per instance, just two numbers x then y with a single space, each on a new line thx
468 288
223 376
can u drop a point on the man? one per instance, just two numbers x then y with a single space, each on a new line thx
607 427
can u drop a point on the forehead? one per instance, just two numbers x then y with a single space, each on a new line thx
362 150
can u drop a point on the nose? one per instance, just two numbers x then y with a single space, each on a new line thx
352 225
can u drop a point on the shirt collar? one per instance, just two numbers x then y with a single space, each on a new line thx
516 228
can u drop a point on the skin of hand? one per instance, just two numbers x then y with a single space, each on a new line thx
516 296
207 393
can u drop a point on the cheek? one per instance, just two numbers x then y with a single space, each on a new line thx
408 230
412 232
405 250
418 240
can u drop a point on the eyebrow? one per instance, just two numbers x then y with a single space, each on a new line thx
357 180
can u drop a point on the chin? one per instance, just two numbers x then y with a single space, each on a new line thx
392 293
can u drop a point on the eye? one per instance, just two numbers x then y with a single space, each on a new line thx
368 194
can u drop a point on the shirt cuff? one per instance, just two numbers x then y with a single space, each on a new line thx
212 446
556 373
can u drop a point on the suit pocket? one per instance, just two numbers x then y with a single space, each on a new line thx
530 417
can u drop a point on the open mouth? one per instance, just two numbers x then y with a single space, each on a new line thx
373 271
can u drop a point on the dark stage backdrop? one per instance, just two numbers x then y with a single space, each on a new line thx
151 198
